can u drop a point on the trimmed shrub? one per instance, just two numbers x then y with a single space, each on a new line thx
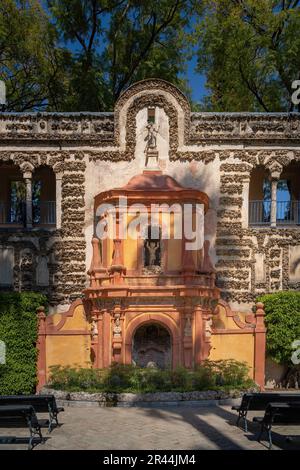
204 378
283 324
181 379
227 373
121 378
18 330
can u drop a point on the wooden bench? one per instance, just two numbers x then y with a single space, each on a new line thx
20 417
40 403
260 401
283 414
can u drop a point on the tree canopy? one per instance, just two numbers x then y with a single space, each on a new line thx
79 55
31 63
250 53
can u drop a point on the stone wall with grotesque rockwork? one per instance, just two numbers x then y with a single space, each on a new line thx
251 260
61 251
214 153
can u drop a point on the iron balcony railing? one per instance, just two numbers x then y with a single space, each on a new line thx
259 212
287 212
12 214
43 213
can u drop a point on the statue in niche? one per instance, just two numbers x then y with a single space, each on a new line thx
150 149
152 252
117 327
150 137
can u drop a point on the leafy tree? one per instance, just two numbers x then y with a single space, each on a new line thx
283 324
75 55
30 61
115 43
250 52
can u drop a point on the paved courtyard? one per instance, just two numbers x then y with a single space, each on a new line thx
189 428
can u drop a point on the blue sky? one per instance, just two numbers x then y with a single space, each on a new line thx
196 81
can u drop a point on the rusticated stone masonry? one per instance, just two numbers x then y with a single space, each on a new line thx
237 246
226 143
62 250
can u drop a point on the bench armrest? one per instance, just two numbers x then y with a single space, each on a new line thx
236 407
258 419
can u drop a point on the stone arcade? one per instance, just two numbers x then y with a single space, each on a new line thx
150 300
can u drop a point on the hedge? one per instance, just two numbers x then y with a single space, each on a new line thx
210 375
283 324
18 330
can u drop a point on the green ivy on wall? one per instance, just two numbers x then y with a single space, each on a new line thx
18 330
283 324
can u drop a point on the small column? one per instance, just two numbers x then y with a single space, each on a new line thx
188 264
58 192
274 201
96 270
188 338
41 347
198 338
28 182
260 346
245 206
117 333
117 268
97 336
100 339
106 338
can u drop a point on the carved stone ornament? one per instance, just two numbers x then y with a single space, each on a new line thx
117 327
94 329
188 326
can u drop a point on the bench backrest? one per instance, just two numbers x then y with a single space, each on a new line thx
283 413
41 403
260 401
17 416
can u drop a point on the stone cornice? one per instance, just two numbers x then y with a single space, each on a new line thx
102 128
80 128
245 127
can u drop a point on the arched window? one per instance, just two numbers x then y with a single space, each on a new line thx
276 201
260 197
44 196
12 195
288 195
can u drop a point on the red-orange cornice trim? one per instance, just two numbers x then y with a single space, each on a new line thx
148 197
152 291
